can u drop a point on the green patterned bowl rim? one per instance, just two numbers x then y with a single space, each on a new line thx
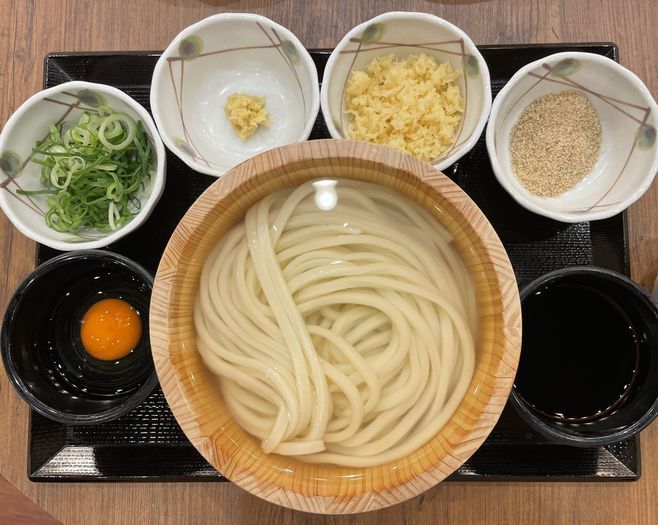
462 146
290 48
7 182
568 59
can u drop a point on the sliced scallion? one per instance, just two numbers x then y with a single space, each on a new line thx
93 171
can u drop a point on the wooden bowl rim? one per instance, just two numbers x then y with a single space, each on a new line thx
177 392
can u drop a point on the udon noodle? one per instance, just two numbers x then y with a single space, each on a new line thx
340 321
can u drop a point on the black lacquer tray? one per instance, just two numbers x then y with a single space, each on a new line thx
147 444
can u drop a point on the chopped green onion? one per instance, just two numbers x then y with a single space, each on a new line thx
93 171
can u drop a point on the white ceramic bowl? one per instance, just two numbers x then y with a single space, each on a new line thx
628 113
405 34
29 124
225 54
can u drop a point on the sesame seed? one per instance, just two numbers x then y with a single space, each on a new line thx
555 143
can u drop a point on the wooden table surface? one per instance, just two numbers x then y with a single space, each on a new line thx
31 28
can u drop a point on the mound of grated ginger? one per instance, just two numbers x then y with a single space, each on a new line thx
246 112
412 104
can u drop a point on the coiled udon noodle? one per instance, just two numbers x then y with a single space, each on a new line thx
341 336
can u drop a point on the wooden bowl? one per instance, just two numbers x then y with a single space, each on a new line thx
192 391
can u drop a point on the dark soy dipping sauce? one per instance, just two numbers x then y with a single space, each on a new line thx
580 353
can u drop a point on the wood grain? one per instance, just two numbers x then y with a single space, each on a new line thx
18 509
190 387
31 28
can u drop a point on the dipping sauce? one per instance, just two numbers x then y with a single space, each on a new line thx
580 353
110 329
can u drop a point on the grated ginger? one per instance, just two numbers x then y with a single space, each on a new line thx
245 113
412 104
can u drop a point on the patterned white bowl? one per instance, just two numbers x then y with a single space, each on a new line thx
404 34
222 55
628 113
29 124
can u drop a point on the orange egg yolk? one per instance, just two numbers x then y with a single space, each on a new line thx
110 329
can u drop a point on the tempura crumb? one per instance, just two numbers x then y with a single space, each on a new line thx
412 104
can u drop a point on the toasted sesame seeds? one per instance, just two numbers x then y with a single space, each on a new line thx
555 143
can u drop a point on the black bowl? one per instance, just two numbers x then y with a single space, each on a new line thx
41 347
639 406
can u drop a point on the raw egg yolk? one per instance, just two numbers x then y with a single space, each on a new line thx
110 329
